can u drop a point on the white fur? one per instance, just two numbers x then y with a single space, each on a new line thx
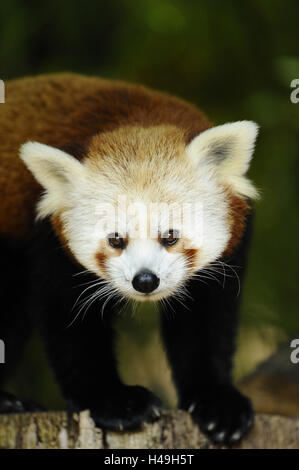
55 170
170 268
236 140
86 195
87 223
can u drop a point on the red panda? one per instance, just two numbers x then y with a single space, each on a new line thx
139 192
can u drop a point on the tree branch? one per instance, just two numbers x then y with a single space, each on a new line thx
175 430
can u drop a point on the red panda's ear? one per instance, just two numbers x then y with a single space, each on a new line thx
227 149
55 170
51 167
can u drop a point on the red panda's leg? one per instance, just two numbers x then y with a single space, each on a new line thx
80 345
84 364
15 322
200 342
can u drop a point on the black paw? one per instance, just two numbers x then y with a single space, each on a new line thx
126 408
11 404
223 414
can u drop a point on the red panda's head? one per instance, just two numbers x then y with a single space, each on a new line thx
144 210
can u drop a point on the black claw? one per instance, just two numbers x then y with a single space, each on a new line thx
129 409
219 437
10 404
223 414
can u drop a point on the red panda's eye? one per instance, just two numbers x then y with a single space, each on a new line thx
116 241
170 237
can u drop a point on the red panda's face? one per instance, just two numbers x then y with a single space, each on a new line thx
144 212
146 250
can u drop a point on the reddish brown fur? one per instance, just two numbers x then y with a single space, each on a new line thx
127 141
239 208
191 254
65 111
106 251
182 247
58 226
101 260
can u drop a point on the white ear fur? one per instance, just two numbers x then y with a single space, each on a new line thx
50 166
228 150
54 170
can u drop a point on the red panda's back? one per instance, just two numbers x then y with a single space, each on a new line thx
65 111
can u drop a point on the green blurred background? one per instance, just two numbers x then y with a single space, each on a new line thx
235 60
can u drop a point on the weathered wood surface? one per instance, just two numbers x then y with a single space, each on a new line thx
175 430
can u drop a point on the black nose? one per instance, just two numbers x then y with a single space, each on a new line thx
145 281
